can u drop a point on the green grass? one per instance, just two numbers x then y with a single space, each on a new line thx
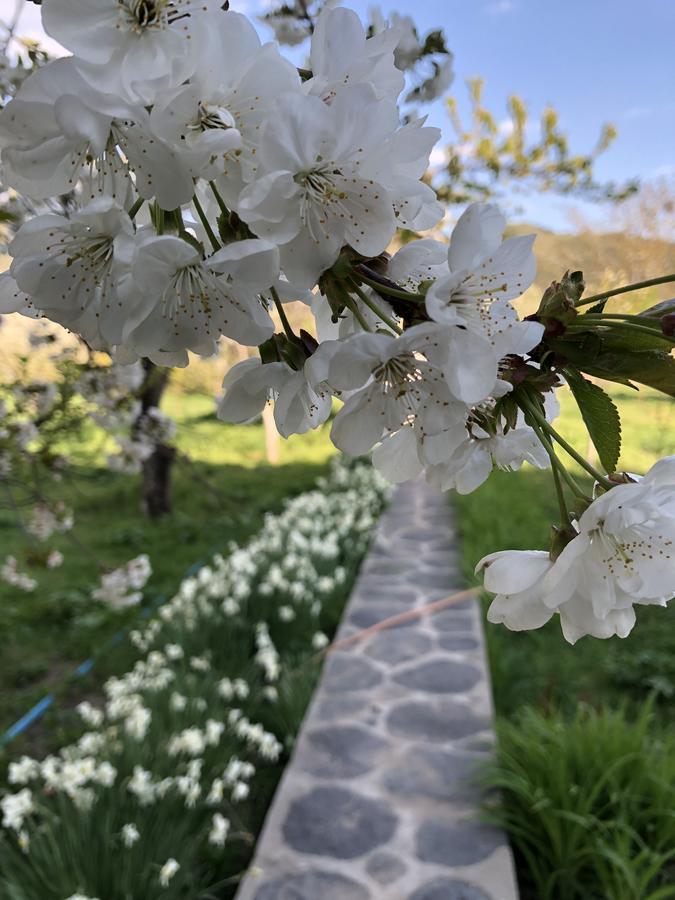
588 801
220 495
586 741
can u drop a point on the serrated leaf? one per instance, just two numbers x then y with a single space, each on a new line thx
600 416
653 368
636 340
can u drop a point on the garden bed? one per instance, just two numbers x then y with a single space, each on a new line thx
164 793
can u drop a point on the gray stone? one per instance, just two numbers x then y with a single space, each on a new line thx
332 821
439 676
456 843
313 886
333 708
441 722
385 868
457 643
366 617
345 672
448 889
452 621
341 751
430 772
430 579
391 649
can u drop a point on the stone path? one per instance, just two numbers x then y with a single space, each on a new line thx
379 801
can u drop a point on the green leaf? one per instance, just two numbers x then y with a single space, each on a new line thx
653 368
630 341
600 416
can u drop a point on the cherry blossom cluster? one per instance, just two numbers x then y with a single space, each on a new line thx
214 182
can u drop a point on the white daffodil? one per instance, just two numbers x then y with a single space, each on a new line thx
70 268
342 54
59 128
215 120
298 405
187 303
220 828
168 871
321 180
486 272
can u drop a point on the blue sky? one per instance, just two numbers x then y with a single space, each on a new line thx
595 60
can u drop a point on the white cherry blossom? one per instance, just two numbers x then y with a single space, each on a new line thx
321 181
183 302
625 549
342 54
70 268
391 385
485 273
59 128
215 120
133 47
298 405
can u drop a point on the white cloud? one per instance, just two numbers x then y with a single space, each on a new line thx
500 7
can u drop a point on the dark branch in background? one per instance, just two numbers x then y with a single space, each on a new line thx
158 467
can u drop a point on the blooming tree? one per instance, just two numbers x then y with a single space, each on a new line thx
216 182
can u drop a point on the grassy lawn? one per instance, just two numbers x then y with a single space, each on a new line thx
514 511
221 494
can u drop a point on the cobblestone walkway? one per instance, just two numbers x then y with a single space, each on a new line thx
378 801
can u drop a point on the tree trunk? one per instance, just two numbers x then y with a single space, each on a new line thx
157 468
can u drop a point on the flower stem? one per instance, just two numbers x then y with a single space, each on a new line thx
135 208
546 426
626 289
358 315
374 307
205 222
558 467
219 200
382 287
290 334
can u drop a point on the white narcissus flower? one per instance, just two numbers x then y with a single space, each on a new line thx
58 128
299 406
167 872
214 122
183 302
321 180
220 828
